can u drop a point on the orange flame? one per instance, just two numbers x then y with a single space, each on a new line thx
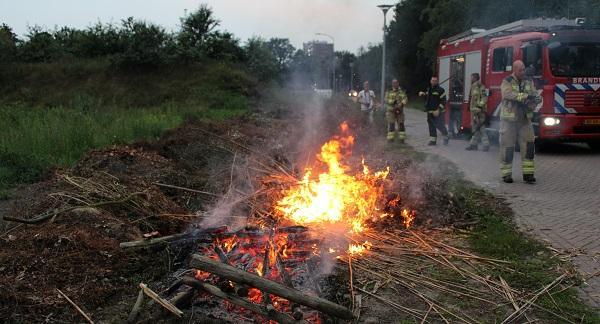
335 196
359 249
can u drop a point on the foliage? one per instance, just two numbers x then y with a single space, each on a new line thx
418 26
8 44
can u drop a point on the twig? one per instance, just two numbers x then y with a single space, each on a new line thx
405 309
136 307
53 215
89 319
516 314
163 302
187 189
351 280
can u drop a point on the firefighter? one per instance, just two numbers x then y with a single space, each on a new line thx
366 98
435 105
478 108
395 100
519 99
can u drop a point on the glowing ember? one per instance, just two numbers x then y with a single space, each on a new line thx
359 249
408 217
335 196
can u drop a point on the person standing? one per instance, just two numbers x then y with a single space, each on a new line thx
395 100
366 98
519 98
478 108
435 105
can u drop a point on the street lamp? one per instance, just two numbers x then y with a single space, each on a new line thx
385 9
332 60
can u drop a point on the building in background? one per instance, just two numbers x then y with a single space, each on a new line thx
321 57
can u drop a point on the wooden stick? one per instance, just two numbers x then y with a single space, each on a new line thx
187 189
351 280
136 307
154 241
163 302
271 314
228 272
76 307
41 218
516 314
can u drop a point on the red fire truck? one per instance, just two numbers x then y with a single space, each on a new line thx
561 56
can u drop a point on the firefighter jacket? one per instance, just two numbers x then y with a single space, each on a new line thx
519 99
395 99
436 99
478 98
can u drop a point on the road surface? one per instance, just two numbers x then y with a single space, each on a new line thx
563 208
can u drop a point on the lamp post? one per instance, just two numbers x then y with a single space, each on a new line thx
351 76
385 9
332 60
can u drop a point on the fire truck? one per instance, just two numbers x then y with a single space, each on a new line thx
562 58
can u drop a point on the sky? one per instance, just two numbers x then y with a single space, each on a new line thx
352 23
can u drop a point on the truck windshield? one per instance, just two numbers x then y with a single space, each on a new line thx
575 59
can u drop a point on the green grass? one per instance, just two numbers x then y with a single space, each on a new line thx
52 113
497 236
36 139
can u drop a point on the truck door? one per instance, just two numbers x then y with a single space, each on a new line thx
499 66
532 56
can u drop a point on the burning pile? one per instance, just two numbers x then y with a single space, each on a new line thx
273 268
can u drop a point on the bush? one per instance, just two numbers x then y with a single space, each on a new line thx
145 45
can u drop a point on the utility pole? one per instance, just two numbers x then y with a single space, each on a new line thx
385 9
351 76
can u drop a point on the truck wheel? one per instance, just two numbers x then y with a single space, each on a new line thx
540 145
595 146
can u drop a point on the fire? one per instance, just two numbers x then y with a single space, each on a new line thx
335 196
408 217
359 249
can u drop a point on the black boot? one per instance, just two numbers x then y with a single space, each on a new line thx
431 143
446 140
486 148
507 179
471 148
529 178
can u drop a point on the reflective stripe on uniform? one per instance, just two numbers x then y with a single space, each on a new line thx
391 135
402 135
506 169
528 167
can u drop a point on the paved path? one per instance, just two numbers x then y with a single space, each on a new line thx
563 208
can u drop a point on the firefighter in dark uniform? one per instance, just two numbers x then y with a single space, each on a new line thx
519 98
435 105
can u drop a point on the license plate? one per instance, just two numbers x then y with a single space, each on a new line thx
592 122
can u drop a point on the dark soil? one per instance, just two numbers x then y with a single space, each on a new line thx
79 252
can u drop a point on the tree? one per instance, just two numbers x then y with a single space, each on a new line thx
145 44
260 59
282 51
39 46
196 28
8 44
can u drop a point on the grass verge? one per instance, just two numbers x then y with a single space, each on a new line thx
497 236
36 139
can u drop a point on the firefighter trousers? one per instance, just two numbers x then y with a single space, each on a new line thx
509 132
395 122
478 129
435 124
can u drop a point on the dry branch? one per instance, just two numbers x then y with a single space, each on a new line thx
271 314
228 272
163 302
76 307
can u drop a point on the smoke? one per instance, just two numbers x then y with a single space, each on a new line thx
232 209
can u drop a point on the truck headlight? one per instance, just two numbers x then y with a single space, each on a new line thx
551 121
